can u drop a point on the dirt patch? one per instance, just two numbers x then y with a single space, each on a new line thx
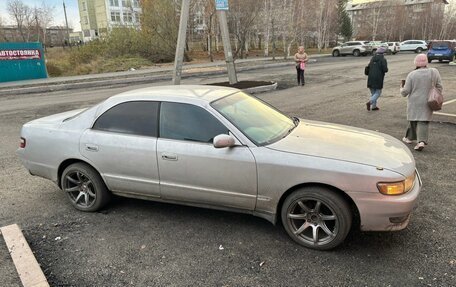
243 84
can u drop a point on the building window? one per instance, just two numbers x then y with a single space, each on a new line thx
114 3
115 16
135 3
86 20
127 17
137 18
84 6
126 3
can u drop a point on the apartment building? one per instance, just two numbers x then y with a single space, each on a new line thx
99 17
396 20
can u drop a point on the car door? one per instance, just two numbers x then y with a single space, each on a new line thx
121 145
406 46
346 48
192 170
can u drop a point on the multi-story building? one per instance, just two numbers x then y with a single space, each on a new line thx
394 20
99 17
55 35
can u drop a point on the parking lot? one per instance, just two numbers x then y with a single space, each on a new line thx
141 243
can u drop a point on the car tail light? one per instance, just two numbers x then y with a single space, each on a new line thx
22 143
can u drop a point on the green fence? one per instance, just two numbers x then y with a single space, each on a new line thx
21 61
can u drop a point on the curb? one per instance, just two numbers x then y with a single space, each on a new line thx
25 262
119 80
140 79
261 89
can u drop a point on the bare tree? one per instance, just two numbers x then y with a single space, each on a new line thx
44 17
22 15
243 15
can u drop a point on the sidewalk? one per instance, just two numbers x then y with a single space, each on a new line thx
147 75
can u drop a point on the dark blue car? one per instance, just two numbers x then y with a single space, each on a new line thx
442 51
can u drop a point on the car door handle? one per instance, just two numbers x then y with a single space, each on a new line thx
169 156
91 147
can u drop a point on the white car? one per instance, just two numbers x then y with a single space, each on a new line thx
220 148
394 47
417 46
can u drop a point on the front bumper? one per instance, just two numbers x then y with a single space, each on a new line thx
380 212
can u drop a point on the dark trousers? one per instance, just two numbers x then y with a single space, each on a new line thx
300 75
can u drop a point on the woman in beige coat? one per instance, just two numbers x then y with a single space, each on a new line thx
417 87
301 59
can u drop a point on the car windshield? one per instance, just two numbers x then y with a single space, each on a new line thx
259 122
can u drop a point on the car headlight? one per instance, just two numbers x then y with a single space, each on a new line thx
398 187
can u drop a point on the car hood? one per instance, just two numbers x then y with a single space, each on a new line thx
348 144
57 118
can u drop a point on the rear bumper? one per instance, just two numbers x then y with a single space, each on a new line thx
442 58
380 212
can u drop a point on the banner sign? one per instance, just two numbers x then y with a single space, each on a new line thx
26 54
221 5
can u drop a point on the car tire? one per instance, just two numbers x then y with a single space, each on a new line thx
84 187
418 50
429 60
316 218
336 53
356 53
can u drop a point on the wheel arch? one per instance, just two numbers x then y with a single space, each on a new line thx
345 196
66 163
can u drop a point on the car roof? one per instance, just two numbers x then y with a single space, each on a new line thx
204 93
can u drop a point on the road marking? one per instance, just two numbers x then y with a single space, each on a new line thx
444 114
27 267
449 102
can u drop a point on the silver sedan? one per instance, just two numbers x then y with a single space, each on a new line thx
220 148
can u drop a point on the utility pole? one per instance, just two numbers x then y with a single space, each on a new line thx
221 6
221 15
179 58
66 22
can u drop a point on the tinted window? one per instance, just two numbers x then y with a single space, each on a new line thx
188 122
139 118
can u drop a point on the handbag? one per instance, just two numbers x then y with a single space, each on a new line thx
302 65
435 97
366 70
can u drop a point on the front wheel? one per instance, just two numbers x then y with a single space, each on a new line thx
336 53
316 218
418 50
84 187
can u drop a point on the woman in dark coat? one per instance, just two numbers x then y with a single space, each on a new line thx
378 67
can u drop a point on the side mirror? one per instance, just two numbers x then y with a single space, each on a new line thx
223 140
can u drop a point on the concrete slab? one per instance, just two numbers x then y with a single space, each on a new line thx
8 273
27 267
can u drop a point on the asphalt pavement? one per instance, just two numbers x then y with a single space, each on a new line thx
141 243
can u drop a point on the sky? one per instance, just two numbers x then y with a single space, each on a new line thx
59 18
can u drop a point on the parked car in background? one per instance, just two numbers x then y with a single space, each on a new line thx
355 48
393 47
377 44
442 51
416 46
221 148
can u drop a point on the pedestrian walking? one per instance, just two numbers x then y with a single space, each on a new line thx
301 59
377 69
417 87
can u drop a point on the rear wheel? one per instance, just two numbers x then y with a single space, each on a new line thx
336 53
84 187
316 218
356 53
418 50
